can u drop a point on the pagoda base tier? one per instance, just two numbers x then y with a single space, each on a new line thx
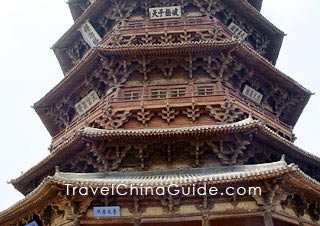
275 194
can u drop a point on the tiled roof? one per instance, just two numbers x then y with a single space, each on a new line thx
169 132
212 176
220 175
65 147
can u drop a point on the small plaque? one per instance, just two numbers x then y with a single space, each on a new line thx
33 223
252 94
236 30
89 34
165 12
86 103
106 211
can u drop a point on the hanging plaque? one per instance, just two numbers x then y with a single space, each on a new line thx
236 30
106 211
252 94
33 223
89 34
165 12
86 103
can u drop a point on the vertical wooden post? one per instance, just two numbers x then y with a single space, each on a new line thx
205 220
267 216
136 222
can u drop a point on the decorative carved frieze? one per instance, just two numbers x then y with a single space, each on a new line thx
225 113
168 114
60 211
232 152
112 119
273 195
170 203
137 209
144 116
206 205
193 112
77 50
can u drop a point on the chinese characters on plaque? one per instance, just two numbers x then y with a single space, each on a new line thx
87 102
252 94
106 211
33 223
236 30
165 12
89 34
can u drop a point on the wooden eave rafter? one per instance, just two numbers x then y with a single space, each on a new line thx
91 60
76 12
75 9
256 4
67 147
212 176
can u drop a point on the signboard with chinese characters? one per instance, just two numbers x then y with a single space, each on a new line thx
252 94
33 223
106 211
236 30
89 34
86 103
165 12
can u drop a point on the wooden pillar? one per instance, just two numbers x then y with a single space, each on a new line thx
136 222
267 216
205 220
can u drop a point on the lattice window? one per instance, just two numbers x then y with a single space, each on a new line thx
205 91
158 94
131 95
178 92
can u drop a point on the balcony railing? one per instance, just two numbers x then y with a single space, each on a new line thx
218 96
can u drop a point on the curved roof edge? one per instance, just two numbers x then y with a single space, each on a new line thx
211 176
64 147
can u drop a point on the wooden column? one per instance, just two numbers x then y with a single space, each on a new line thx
205 220
267 216
136 222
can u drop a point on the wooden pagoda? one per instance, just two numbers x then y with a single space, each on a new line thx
166 92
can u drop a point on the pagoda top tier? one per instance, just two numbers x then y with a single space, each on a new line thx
238 17
77 7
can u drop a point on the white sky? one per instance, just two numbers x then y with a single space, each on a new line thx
29 69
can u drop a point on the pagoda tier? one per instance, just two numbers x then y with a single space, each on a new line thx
96 150
78 7
228 65
104 16
285 189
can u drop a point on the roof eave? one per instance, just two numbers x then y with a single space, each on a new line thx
95 134
74 9
291 173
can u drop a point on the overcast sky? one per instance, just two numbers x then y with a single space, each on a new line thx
29 69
